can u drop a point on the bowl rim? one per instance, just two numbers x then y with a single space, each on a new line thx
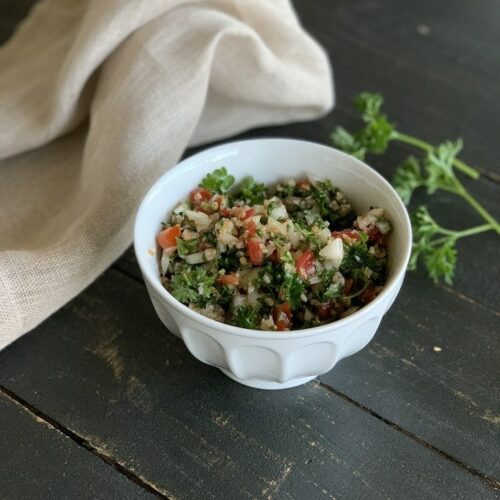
154 280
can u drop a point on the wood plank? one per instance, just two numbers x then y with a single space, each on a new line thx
11 12
40 462
118 380
437 87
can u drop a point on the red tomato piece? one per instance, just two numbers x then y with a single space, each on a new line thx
304 184
374 234
255 253
325 310
167 237
199 195
274 257
251 228
350 233
347 286
248 213
226 212
305 264
368 295
228 279
282 316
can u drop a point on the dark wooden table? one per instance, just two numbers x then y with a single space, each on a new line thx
101 402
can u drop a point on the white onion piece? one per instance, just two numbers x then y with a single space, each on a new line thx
273 226
195 258
201 220
383 226
165 261
279 212
210 253
333 251
238 300
293 236
253 297
324 235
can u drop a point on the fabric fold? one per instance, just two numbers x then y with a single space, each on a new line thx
99 98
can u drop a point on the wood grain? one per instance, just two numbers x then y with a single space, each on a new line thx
40 462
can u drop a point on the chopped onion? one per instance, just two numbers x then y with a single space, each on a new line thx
383 226
324 235
293 236
333 251
210 254
201 220
279 212
195 258
164 262
238 300
273 226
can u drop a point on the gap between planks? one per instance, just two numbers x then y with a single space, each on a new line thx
83 443
443 454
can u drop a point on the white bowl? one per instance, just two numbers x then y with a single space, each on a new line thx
272 360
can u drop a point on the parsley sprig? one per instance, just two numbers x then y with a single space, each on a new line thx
219 181
433 244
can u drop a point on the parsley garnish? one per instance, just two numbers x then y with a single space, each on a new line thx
186 247
433 244
245 317
292 289
219 181
252 192
192 285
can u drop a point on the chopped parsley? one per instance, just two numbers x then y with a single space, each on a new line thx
219 181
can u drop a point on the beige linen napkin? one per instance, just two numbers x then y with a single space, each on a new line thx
100 97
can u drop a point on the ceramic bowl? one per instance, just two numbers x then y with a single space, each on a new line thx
272 360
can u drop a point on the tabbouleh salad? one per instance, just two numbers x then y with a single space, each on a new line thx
293 257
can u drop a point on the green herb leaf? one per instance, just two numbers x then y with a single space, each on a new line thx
293 287
440 261
345 141
219 181
187 247
245 317
192 285
407 178
439 167
252 192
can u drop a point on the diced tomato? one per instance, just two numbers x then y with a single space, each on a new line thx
167 237
199 195
305 264
304 184
274 257
374 234
347 286
350 233
282 315
228 279
325 310
251 228
226 212
368 295
248 213
255 253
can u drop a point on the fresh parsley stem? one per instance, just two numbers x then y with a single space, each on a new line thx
461 234
413 141
476 206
